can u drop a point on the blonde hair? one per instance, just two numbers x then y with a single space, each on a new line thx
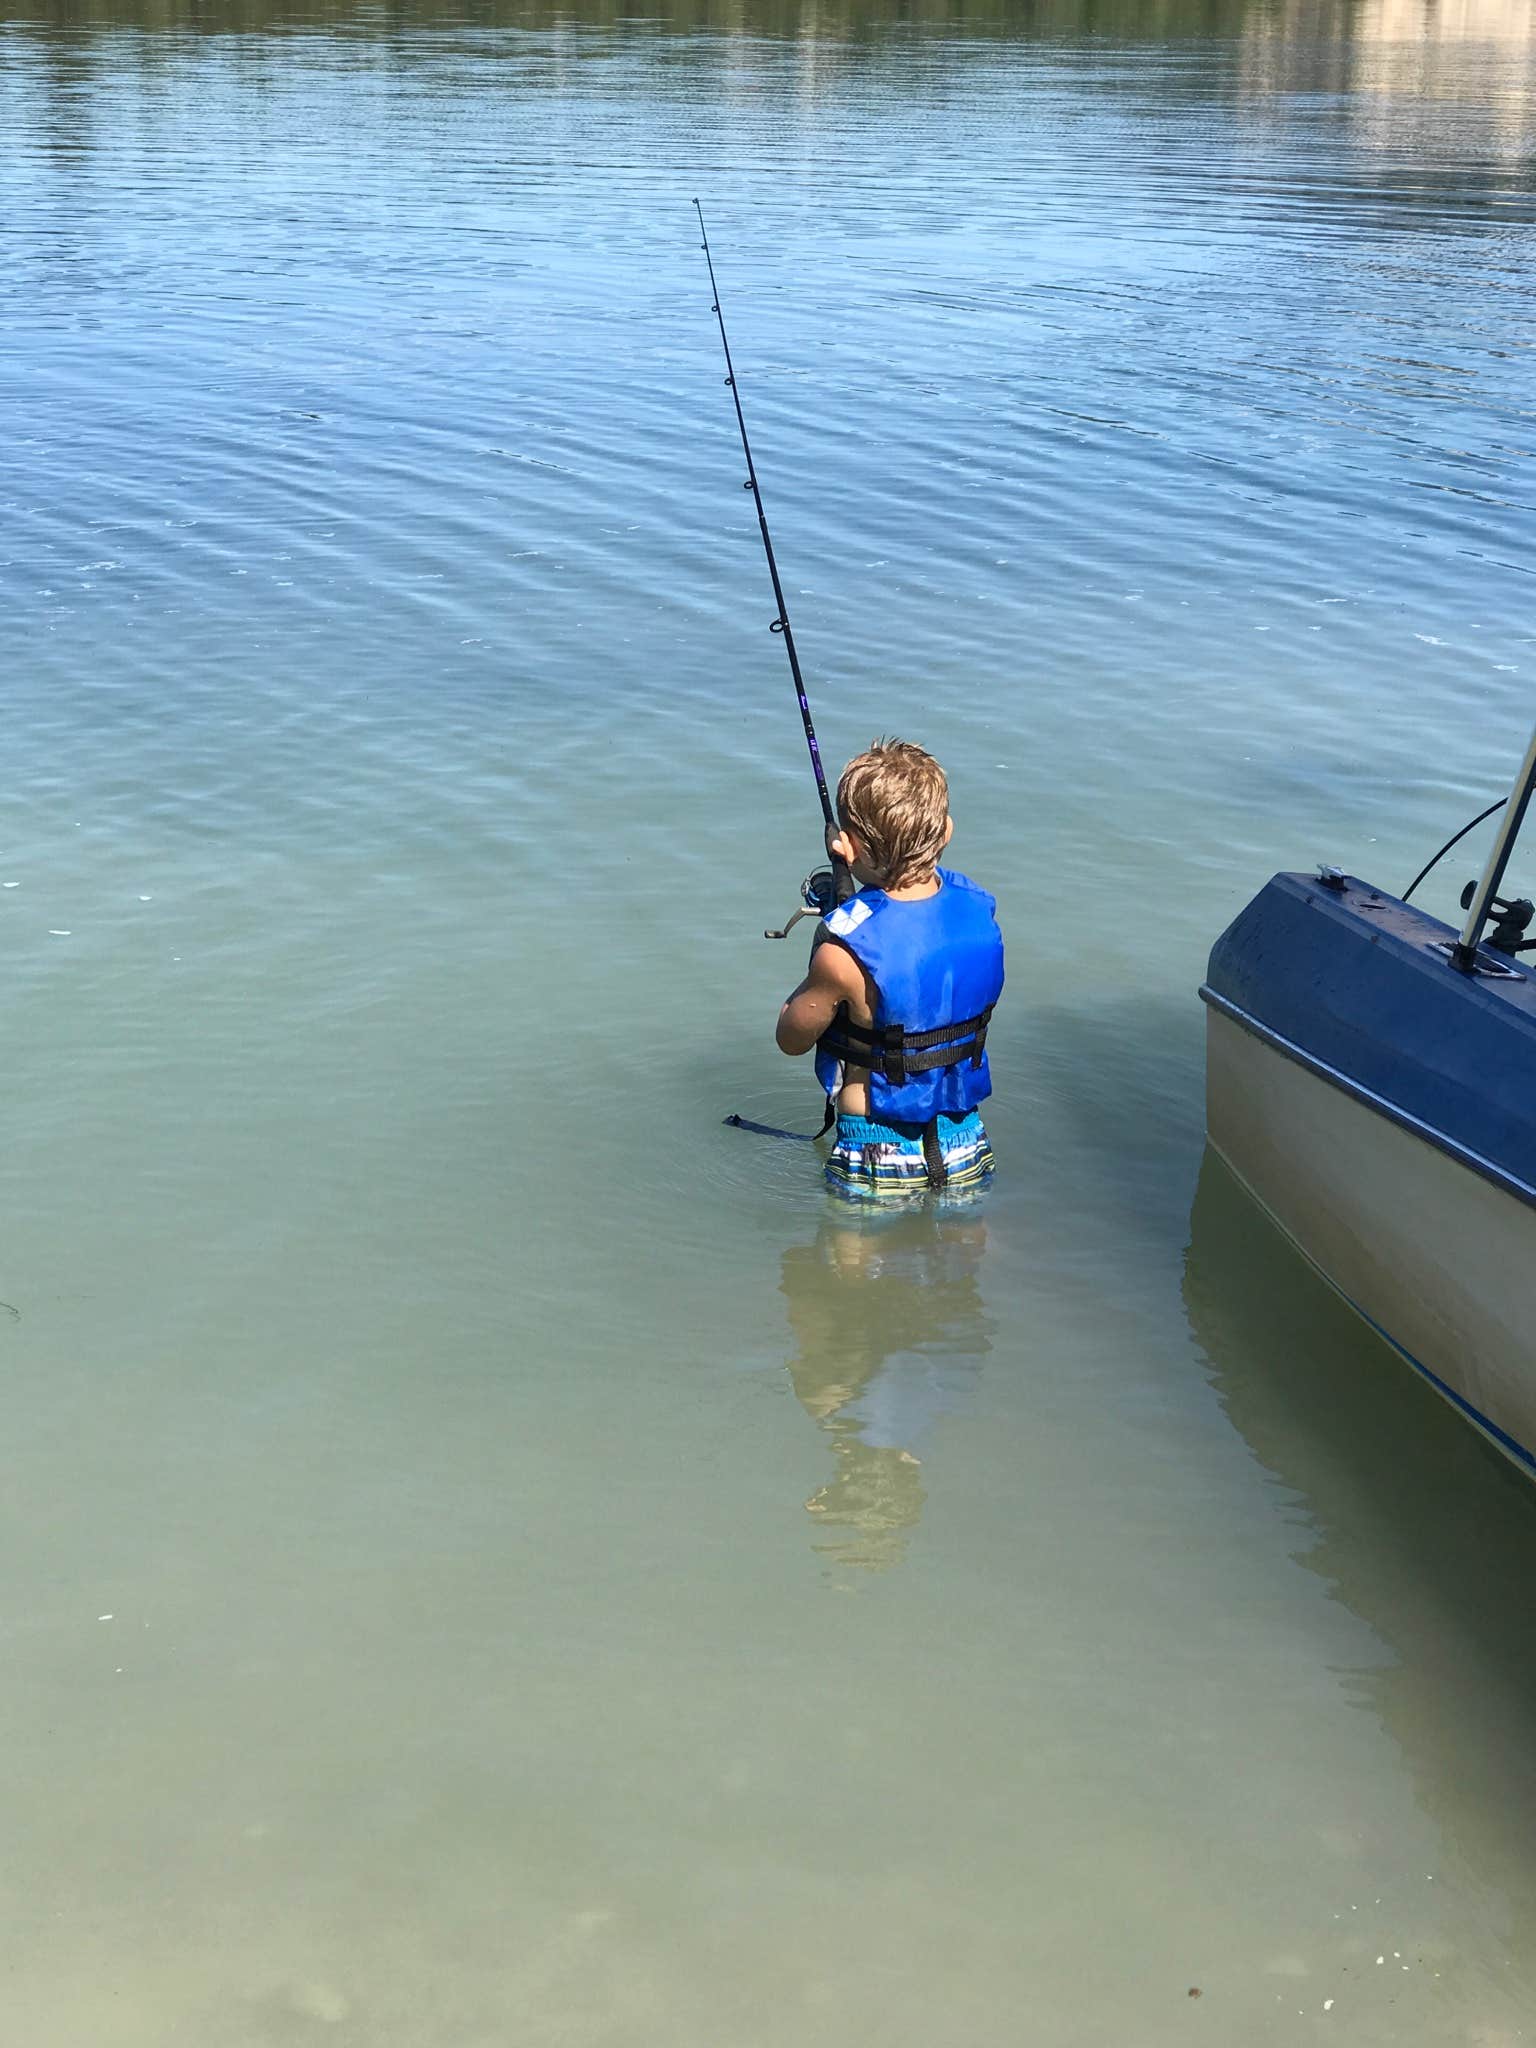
895 798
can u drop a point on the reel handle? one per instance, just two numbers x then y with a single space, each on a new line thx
818 895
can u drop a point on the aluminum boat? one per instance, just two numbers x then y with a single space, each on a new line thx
1371 1080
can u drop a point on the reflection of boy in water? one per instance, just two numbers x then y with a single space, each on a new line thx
889 1330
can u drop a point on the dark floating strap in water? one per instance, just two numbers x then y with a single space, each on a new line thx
745 1123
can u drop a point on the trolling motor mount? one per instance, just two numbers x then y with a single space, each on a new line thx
818 895
1514 916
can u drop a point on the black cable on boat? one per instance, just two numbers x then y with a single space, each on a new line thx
1456 841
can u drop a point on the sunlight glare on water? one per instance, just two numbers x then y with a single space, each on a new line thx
492 1556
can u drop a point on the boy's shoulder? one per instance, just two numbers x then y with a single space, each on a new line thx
859 908
979 901
953 879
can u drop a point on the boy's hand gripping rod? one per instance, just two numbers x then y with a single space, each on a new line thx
826 886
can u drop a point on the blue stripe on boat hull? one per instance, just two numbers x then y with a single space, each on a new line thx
1507 1182
1360 984
1513 1449
1501 1437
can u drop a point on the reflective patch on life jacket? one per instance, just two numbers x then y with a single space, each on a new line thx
848 917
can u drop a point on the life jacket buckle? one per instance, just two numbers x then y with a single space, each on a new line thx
895 1044
979 1045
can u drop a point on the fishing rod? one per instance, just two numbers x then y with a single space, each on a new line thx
825 887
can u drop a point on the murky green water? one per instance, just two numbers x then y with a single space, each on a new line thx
490 1557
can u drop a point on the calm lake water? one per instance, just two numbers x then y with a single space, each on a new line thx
491 1556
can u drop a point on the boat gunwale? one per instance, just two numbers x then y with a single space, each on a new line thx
1499 1176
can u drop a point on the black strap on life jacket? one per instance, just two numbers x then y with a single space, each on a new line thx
895 1053
933 1151
933 1155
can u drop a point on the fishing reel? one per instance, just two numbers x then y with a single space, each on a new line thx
818 895
1514 914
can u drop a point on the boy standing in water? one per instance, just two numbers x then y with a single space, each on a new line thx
901 985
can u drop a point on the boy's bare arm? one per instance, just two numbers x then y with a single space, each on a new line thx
833 978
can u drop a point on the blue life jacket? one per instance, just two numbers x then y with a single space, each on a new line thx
937 967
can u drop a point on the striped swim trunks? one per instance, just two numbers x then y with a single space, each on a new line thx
878 1162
